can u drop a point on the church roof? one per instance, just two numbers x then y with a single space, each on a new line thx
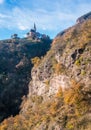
32 30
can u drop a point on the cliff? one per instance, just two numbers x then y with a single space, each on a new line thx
60 89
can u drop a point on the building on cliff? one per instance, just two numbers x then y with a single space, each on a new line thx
33 34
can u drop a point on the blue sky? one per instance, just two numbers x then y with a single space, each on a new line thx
50 16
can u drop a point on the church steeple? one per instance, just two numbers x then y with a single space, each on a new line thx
35 27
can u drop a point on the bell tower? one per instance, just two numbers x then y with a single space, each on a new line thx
35 27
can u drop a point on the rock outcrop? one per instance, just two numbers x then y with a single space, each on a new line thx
84 17
69 58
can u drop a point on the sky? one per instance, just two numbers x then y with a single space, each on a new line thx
50 16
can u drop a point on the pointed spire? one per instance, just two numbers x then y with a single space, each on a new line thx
35 27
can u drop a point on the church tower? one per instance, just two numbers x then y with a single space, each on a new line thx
35 27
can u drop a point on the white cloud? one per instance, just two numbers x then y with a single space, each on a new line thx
1 1
23 19
3 16
59 17
44 19
21 26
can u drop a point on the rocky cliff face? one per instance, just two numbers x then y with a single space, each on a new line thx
69 58
60 90
84 18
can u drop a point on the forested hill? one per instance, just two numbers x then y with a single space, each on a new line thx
15 71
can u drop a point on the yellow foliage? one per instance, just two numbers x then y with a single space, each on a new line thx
47 82
35 61
58 68
59 94
74 96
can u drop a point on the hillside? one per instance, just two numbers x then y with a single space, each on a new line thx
60 89
15 71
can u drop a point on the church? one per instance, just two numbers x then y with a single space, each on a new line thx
33 34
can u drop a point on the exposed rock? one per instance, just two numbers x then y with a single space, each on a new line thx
84 17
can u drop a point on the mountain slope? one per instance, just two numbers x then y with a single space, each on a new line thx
60 90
